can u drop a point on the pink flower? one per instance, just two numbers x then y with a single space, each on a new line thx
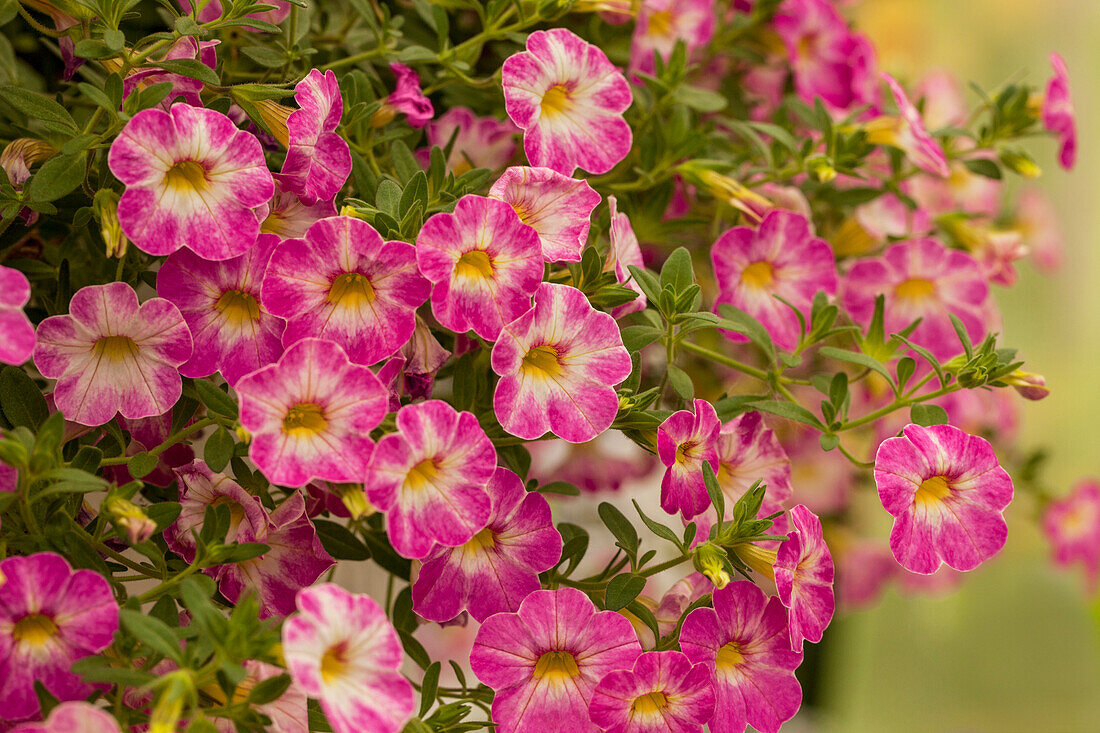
479 142
1058 113
232 331
343 283
485 263
558 207
661 23
310 414
1040 228
499 566
342 650
288 713
199 488
192 179
569 100
411 371
318 160
16 331
862 572
430 478
545 660
558 365
820 48
289 216
907 132
50 616
109 355
946 493
1072 524
212 10
804 578
676 599
887 216
921 279
623 252
186 47
997 253
944 100
747 452
407 97
73 717
781 258
663 693
684 442
744 642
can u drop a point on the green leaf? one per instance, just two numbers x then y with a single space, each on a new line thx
964 337
620 526
269 690
622 590
57 177
927 415
192 69
564 488
927 356
87 458
714 491
734 319
163 513
38 107
142 464
215 399
636 338
681 382
428 687
388 197
218 450
789 410
983 167
21 399
905 366
153 632
657 528
677 271
265 56
339 541
853 357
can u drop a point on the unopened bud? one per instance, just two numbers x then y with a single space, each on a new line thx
383 116
243 436
177 690
726 189
273 117
1030 386
758 558
710 560
1021 163
349 210
105 207
821 169
130 517
355 499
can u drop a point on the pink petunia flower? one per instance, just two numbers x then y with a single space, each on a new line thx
192 179
748 451
907 132
430 478
73 717
289 712
186 47
946 492
342 650
744 642
289 216
623 252
109 355
479 142
921 279
545 660
558 207
199 488
407 97
569 100
318 160
558 365
411 372
212 10
16 331
804 578
684 442
684 592
485 263
1058 112
1072 524
310 414
821 49
663 693
782 258
50 616
661 23
944 100
499 566
233 332
343 283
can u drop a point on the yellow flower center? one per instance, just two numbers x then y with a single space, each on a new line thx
556 100
333 663
758 274
932 490
650 703
305 418
684 452
115 348
729 656
544 359
481 542
351 289
35 629
238 307
660 23
187 174
474 264
557 665
915 288
421 475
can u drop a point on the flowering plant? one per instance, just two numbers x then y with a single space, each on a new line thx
292 290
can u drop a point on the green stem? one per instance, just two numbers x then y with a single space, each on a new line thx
723 359
666 565
896 405
171 440
114 555
171 582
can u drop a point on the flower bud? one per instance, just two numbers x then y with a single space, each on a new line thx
758 558
355 499
726 189
177 690
710 560
383 116
105 207
1021 163
1030 386
273 117
821 169
243 436
20 154
130 517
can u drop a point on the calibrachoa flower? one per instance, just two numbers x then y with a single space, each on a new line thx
342 650
294 561
311 414
73 717
199 488
192 179
288 713
569 100
212 10
804 578
233 332
663 693
109 355
921 279
429 478
946 492
744 642
782 258
499 566
623 252
16 331
186 47
343 283
820 47
407 97
748 451
1072 524
289 216
318 160
558 207
907 132
676 599
480 142
1058 112
558 365
485 263
1037 222
661 23
544 661
684 442
50 616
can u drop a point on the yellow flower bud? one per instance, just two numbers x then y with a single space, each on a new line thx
758 558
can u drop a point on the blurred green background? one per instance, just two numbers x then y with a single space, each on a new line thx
1015 647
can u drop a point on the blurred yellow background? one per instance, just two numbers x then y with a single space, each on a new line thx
1014 649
